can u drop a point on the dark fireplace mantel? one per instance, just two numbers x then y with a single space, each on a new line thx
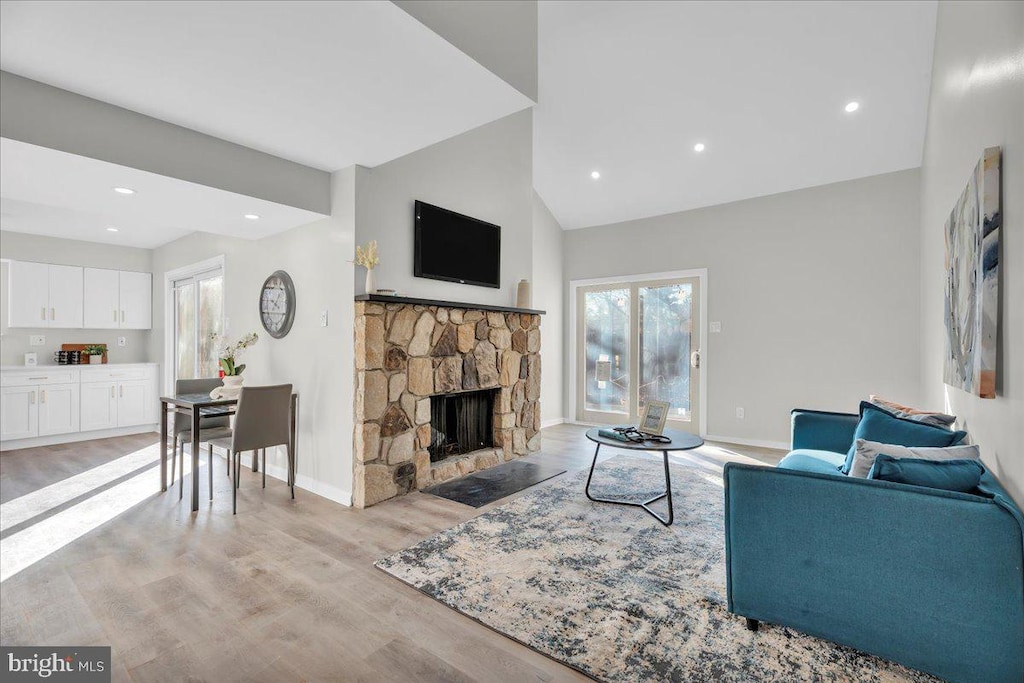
386 299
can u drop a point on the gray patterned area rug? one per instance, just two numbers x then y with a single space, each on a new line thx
612 593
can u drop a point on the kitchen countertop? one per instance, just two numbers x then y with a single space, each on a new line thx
53 366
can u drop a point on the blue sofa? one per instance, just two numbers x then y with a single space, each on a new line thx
928 578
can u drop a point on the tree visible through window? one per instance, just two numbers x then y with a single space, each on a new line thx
199 312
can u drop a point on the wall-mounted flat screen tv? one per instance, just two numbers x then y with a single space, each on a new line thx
456 248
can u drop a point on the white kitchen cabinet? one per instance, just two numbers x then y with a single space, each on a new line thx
44 295
136 295
65 296
28 294
118 396
102 299
99 406
19 412
57 406
135 401
60 403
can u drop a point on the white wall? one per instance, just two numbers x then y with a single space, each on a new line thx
977 101
548 288
24 247
486 173
816 290
316 360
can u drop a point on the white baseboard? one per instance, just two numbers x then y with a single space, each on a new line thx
552 422
302 481
75 436
759 443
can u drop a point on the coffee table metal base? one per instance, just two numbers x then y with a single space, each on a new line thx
667 521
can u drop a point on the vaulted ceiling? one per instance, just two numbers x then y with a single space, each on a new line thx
627 89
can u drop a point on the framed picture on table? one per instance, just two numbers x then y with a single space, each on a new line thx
652 421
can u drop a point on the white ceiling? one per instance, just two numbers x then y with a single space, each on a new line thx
628 88
48 192
326 84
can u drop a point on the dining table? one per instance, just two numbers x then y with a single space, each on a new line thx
198 406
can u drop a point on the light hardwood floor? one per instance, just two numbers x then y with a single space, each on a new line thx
284 591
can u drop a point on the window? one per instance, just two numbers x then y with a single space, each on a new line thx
198 313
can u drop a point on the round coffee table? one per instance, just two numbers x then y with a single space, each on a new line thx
680 441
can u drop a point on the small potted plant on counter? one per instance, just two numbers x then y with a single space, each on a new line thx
230 368
95 352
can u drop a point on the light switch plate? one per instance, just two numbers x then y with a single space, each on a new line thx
323 318
715 327
122 341
37 340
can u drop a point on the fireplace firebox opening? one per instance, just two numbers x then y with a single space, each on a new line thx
461 423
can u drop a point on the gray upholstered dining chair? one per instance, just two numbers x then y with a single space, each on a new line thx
262 420
209 427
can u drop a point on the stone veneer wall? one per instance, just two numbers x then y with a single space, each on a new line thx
406 353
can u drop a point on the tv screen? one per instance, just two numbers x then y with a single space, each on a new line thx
456 248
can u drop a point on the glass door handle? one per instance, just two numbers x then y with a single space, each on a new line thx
695 359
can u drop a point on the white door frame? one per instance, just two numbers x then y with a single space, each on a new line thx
170 276
702 276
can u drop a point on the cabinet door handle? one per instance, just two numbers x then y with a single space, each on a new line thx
42 395
32 398
53 314
38 378
42 313
111 391
115 315
122 315
122 391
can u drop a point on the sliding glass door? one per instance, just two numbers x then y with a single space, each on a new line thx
638 342
198 314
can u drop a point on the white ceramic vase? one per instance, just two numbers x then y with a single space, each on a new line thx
231 389
371 281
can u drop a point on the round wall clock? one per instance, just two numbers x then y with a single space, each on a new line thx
277 304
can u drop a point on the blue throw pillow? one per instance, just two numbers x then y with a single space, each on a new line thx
948 475
878 424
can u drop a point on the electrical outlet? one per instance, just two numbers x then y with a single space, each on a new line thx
37 340
122 341
715 327
323 318
739 413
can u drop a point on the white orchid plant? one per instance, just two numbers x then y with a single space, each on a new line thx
229 352
367 256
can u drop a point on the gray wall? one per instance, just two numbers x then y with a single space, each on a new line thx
817 292
23 247
977 101
43 115
486 173
548 288
501 35
316 360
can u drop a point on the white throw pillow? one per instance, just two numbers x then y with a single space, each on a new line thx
864 456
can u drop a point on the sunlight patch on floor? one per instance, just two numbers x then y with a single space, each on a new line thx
32 504
24 548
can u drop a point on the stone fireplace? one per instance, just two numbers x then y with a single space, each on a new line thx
442 390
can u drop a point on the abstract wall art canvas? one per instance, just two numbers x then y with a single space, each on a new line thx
972 281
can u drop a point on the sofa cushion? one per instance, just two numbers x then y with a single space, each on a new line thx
865 453
915 414
810 460
948 475
878 424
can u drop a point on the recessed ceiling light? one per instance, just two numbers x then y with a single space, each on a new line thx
699 147
124 190
251 217
111 229
595 174
852 107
